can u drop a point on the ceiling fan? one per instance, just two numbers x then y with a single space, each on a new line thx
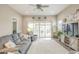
40 6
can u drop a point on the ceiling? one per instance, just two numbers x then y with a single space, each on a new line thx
30 9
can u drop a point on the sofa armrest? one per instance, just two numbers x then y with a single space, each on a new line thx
8 50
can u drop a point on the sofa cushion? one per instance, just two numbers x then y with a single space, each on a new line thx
16 38
24 48
4 39
23 36
18 41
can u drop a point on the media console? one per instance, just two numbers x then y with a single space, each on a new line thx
71 35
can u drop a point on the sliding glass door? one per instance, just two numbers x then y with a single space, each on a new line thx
42 29
36 29
48 29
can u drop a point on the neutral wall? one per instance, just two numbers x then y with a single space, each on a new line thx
6 15
66 12
27 19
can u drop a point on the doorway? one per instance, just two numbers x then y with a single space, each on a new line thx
41 28
14 27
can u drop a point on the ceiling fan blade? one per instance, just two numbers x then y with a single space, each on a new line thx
40 9
39 6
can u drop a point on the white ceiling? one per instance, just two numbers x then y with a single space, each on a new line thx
27 9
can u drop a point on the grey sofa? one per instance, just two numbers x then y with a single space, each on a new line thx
23 44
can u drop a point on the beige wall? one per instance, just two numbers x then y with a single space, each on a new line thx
66 12
6 15
27 19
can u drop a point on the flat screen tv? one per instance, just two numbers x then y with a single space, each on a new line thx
71 29
76 29
65 29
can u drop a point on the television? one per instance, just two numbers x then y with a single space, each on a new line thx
65 29
76 29
71 29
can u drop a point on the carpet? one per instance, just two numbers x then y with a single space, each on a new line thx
44 46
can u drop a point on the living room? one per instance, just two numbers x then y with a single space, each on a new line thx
38 27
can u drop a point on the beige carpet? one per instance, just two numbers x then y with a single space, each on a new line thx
42 46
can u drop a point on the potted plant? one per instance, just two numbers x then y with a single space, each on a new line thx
59 34
55 35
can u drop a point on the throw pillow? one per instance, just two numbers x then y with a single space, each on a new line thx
23 36
10 44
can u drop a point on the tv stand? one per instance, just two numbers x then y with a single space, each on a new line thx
72 42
